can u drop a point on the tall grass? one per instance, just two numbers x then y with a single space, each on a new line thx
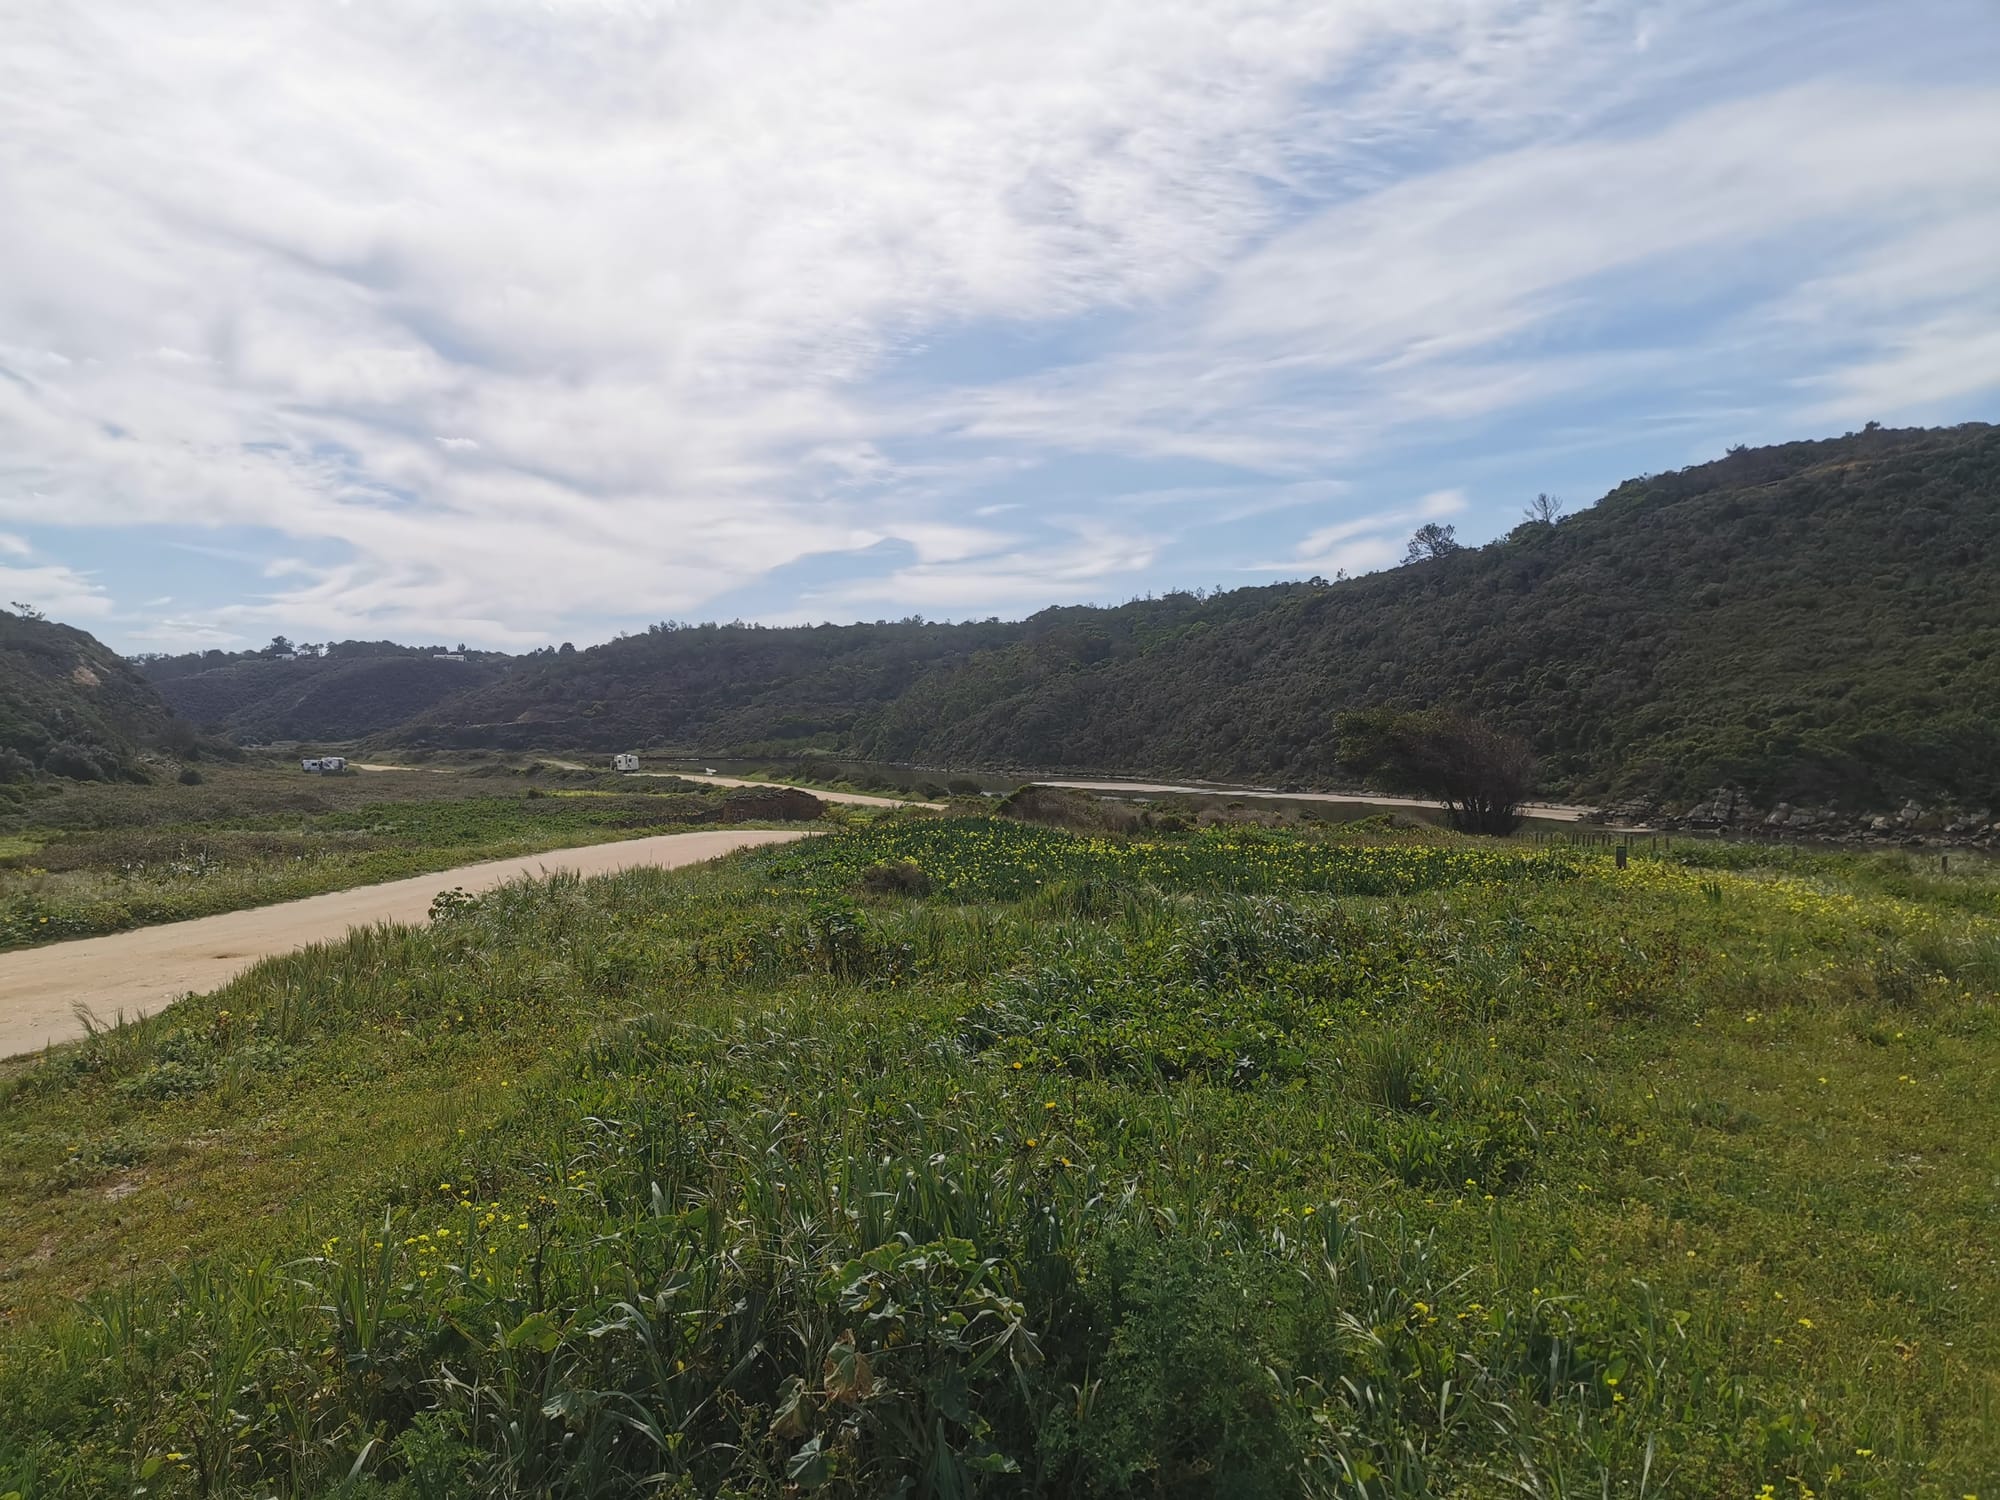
1201 1167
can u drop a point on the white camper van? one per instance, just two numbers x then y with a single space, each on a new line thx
324 764
625 762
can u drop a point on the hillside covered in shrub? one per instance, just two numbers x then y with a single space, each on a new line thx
1815 621
356 688
72 707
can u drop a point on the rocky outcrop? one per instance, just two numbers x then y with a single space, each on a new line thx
1728 809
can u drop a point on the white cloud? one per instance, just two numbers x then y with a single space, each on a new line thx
1361 544
524 313
58 592
1455 295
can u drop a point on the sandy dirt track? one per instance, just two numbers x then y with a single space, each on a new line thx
852 799
138 972
1556 811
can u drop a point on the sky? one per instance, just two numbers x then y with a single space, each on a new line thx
509 322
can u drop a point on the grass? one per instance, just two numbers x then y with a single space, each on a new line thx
104 858
1228 1163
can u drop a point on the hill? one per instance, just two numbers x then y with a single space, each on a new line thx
72 707
357 688
1814 621
742 686
1810 622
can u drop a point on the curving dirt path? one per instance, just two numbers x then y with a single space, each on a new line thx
852 799
1555 811
136 973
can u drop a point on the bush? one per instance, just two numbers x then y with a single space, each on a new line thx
190 776
1061 807
895 878
76 762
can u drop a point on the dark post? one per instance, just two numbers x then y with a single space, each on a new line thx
1621 856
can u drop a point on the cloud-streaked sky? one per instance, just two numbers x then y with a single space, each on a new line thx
510 321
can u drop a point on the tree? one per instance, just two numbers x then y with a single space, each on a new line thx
279 646
1432 540
1481 774
28 611
1545 509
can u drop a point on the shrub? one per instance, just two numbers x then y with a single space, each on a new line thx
76 762
895 878
1061 807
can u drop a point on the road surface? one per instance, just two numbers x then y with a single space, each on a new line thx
136 973
1557 812
852 799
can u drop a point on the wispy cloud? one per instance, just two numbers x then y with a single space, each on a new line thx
491 317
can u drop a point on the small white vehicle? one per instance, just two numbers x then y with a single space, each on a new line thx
625 762
322 765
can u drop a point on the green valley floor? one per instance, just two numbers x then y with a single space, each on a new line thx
953 1156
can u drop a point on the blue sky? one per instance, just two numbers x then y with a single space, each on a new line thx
516 321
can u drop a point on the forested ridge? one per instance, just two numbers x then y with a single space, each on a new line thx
1813 622
356 688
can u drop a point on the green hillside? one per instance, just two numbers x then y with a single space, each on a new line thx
72 707
358 688
706 685
1814 621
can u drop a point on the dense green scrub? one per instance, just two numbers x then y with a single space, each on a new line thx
237 850
1219 1164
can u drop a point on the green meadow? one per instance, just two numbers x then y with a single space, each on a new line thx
945 1157
90 859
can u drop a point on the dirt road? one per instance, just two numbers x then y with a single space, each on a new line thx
136 973
1557 812
852 799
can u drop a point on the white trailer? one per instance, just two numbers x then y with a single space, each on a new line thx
625 762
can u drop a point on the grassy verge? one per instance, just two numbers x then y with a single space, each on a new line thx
102 859
957 1157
